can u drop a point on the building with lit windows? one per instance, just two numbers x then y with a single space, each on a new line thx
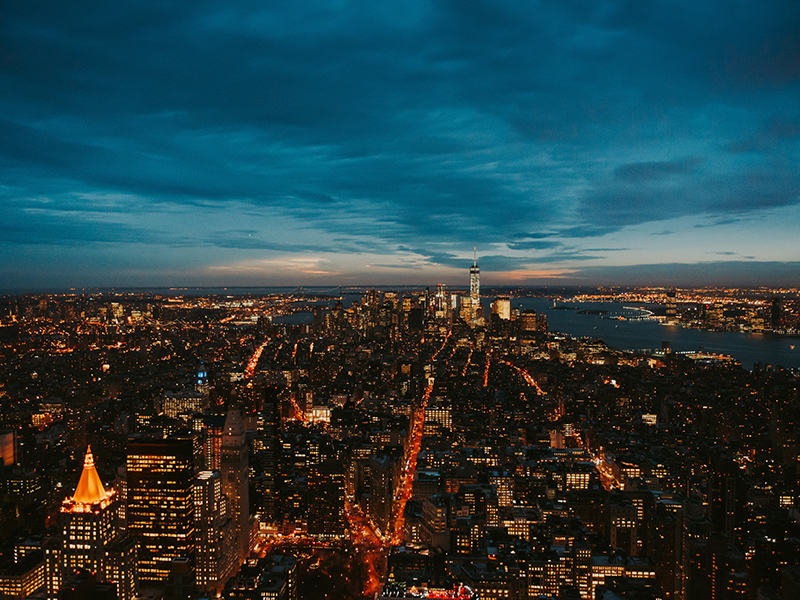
326 518
619 566
234 469
438 415
214 532
91 538
212 427
183 404
8 447
475 290
23 576
160 504
502 307
475 282
623 521
381 490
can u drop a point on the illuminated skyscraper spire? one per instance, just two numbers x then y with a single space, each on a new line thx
475 280
90 489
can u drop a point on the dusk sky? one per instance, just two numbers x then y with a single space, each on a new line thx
344 142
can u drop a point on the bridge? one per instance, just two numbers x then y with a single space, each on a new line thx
300 290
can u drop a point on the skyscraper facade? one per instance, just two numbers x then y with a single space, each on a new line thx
234 468
270 454
214 532
160 504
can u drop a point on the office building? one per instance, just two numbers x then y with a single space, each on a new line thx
160 504
475 286
502 307
214 532
326 490
91 539
234 468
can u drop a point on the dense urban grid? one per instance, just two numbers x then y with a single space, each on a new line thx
407 445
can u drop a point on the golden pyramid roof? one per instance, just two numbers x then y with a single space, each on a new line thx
90 489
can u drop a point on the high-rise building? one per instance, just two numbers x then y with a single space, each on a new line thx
8 447
441 304
234 468
160 504
502 307
528 320
213 426
541 323
381 490
672 309
91 538
202 384
326 517
475 281
214 532
776 314
270 454
723 503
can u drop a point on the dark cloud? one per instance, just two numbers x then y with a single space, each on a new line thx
745 273
532 236
49 227
633 202
637 172
534 245
771 135
585 231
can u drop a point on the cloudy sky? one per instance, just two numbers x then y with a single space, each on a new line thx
345 142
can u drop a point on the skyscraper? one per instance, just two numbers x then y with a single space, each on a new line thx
214 532
91 538
326 500
234 468
502 307
475 282
160 504
270 455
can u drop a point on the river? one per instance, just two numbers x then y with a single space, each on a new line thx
748 348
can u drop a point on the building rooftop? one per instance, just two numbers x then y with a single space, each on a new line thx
90 489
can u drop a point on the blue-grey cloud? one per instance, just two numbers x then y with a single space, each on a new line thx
534 245
645 171
629 203
774 132
716 273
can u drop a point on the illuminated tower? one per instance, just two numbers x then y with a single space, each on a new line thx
234 468
202 384
91 539
160 504
475 281
440 301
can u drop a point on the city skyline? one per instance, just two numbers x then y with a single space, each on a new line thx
580 143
